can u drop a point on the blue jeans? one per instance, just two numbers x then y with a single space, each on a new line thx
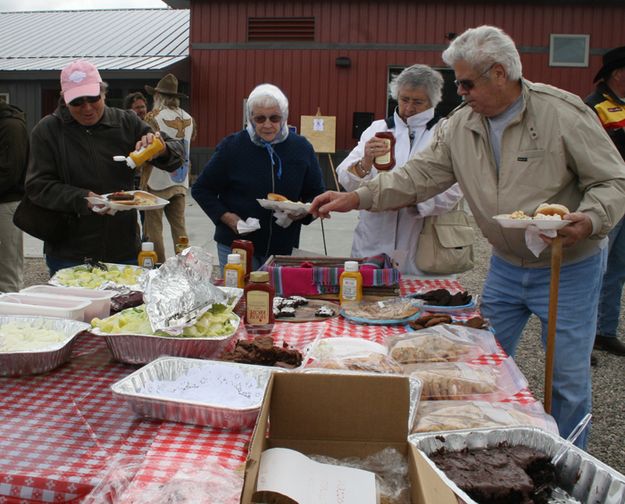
56 263
224 250
511 294
612 287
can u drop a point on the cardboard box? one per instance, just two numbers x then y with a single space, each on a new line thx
341 415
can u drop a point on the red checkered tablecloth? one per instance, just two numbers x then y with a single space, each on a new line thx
63 433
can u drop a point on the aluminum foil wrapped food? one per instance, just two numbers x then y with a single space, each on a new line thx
181 290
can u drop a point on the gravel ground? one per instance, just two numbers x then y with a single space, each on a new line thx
608 376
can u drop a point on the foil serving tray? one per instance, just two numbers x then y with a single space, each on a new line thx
250 382
582 476
38 361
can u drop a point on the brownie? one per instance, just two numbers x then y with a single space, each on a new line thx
501 475
262 351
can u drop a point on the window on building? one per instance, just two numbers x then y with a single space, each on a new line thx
280 29
568 50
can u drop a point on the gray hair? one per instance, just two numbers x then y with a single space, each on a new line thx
162 101
267 95
417 76
484 46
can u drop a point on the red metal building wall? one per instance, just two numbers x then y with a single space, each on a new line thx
374 35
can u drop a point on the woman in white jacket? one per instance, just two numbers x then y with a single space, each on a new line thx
417 89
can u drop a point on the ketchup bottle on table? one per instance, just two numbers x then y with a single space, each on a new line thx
386 161
245 249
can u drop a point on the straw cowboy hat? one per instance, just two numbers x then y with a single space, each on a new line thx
612 60
168 85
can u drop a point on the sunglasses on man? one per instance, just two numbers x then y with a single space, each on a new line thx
469 84
77 102
261 119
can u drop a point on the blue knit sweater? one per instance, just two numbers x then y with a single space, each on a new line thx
240 172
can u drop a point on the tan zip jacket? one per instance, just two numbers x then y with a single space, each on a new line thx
555 151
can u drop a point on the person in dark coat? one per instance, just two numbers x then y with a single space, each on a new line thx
263 158
13 161
71 158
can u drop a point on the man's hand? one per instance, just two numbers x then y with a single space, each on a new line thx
231 220
579 229
332 201
147 140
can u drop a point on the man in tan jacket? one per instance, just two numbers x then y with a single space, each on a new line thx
513 145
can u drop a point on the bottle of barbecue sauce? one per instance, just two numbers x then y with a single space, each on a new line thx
259 318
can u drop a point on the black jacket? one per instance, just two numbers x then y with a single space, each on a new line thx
611 111
13 153
60 145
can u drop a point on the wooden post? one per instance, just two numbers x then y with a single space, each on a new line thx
556 262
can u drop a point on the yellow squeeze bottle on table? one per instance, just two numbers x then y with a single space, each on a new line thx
138 157
233 272
350 283
147 257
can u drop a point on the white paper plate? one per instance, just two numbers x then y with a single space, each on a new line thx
507 222
344 347
296 207
115 205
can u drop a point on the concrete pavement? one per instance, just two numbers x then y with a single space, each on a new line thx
338 234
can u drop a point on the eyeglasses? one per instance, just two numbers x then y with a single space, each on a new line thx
261 119
77 102
469 84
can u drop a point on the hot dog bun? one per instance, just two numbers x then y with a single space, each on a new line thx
276 197
551 209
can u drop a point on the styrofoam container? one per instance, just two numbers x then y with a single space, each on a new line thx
99 300
43 305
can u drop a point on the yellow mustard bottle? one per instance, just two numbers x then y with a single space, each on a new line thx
147 257
138 157
350 283
233 272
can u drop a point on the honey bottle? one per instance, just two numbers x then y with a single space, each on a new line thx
181 244
386 161
259 318
147 257
350 283
138 157
234 276
245 249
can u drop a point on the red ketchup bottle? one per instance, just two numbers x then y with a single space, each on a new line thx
245 249
387 161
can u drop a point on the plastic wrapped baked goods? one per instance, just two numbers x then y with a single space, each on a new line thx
442 343
462 380
354 354
392 310
372 363
434 416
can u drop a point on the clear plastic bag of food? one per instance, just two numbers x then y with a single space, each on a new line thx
442 343
434 416
463 380
354 354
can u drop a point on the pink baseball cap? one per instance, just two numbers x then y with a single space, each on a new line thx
80 78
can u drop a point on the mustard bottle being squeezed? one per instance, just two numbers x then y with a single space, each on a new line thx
138 157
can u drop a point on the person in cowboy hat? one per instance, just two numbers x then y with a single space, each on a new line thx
608 102
167 116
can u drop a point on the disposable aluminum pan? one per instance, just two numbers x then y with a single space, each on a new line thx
582 476
144 348
215 414
45 359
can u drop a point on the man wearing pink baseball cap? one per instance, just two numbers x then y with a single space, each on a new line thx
71 159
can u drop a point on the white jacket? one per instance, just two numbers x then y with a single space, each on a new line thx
395 232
